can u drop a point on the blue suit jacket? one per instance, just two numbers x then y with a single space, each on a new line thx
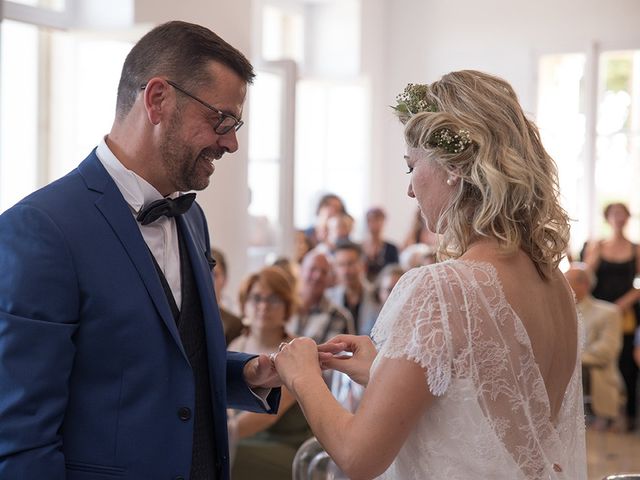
92 370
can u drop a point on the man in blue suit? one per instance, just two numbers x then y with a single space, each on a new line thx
112 354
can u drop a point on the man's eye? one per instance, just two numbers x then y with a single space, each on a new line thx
409 171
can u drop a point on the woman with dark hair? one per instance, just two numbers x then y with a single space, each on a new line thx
266 444
616 262
329 205
377 251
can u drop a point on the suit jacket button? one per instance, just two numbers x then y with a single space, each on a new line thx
184 414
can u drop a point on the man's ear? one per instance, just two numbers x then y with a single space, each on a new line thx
155 99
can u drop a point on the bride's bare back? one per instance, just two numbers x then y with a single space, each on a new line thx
547 310
498 347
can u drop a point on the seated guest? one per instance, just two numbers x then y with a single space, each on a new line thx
317 316
603 341
329 205
386 280
266 444
417 255
377 251
339 227
352 290
302 246
231 323
289 267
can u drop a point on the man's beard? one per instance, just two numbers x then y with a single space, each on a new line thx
181 163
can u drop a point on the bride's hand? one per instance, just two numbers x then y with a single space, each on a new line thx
356 365
297 359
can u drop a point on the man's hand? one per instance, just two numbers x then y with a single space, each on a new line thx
259 372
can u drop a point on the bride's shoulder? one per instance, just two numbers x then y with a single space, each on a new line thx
453 270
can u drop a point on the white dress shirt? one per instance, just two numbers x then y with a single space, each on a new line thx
160 236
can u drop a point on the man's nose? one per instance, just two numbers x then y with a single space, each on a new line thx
229 141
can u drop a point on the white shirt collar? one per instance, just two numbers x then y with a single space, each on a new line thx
137 192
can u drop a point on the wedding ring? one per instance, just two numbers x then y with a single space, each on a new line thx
272 359
282 345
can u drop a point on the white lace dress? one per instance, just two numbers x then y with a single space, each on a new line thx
491 416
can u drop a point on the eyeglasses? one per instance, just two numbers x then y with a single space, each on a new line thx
271 300
225 122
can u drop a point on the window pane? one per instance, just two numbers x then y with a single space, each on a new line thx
50 4
85 71
57 100
561 119
18 112
282 34
264 166
618 137
332 122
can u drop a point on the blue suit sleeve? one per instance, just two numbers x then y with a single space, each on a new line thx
38 316
239 396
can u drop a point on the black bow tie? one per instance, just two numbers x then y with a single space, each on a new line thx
169 207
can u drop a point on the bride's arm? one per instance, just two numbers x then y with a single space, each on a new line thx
365 443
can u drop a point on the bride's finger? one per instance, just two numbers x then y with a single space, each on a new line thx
333 347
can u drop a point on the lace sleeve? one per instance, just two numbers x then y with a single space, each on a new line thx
414 324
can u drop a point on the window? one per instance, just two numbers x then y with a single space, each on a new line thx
592 130
57 98
617 159
282 34
265 156
19 103
562 122
58 5
331 155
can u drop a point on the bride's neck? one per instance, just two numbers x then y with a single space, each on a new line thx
482 247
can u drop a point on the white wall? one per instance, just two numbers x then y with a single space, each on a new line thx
226 200
334 30
425 39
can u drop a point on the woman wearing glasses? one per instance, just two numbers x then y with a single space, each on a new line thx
266 444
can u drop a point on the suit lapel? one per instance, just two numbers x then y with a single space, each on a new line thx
199 264
117 213
204 281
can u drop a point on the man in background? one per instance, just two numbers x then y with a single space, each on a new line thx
317 316
352 291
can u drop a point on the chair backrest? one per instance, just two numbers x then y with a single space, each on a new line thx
623 476
313 463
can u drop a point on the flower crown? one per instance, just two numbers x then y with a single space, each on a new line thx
413 100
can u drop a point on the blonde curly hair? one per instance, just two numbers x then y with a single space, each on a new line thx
508 183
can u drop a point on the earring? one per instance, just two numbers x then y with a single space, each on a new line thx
451 181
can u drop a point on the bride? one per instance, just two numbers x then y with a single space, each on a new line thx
474 368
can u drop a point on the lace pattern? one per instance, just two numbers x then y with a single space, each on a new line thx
492 416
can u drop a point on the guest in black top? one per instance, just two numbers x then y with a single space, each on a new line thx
616 262
378 252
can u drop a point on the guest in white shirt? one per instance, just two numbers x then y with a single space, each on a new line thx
603 341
